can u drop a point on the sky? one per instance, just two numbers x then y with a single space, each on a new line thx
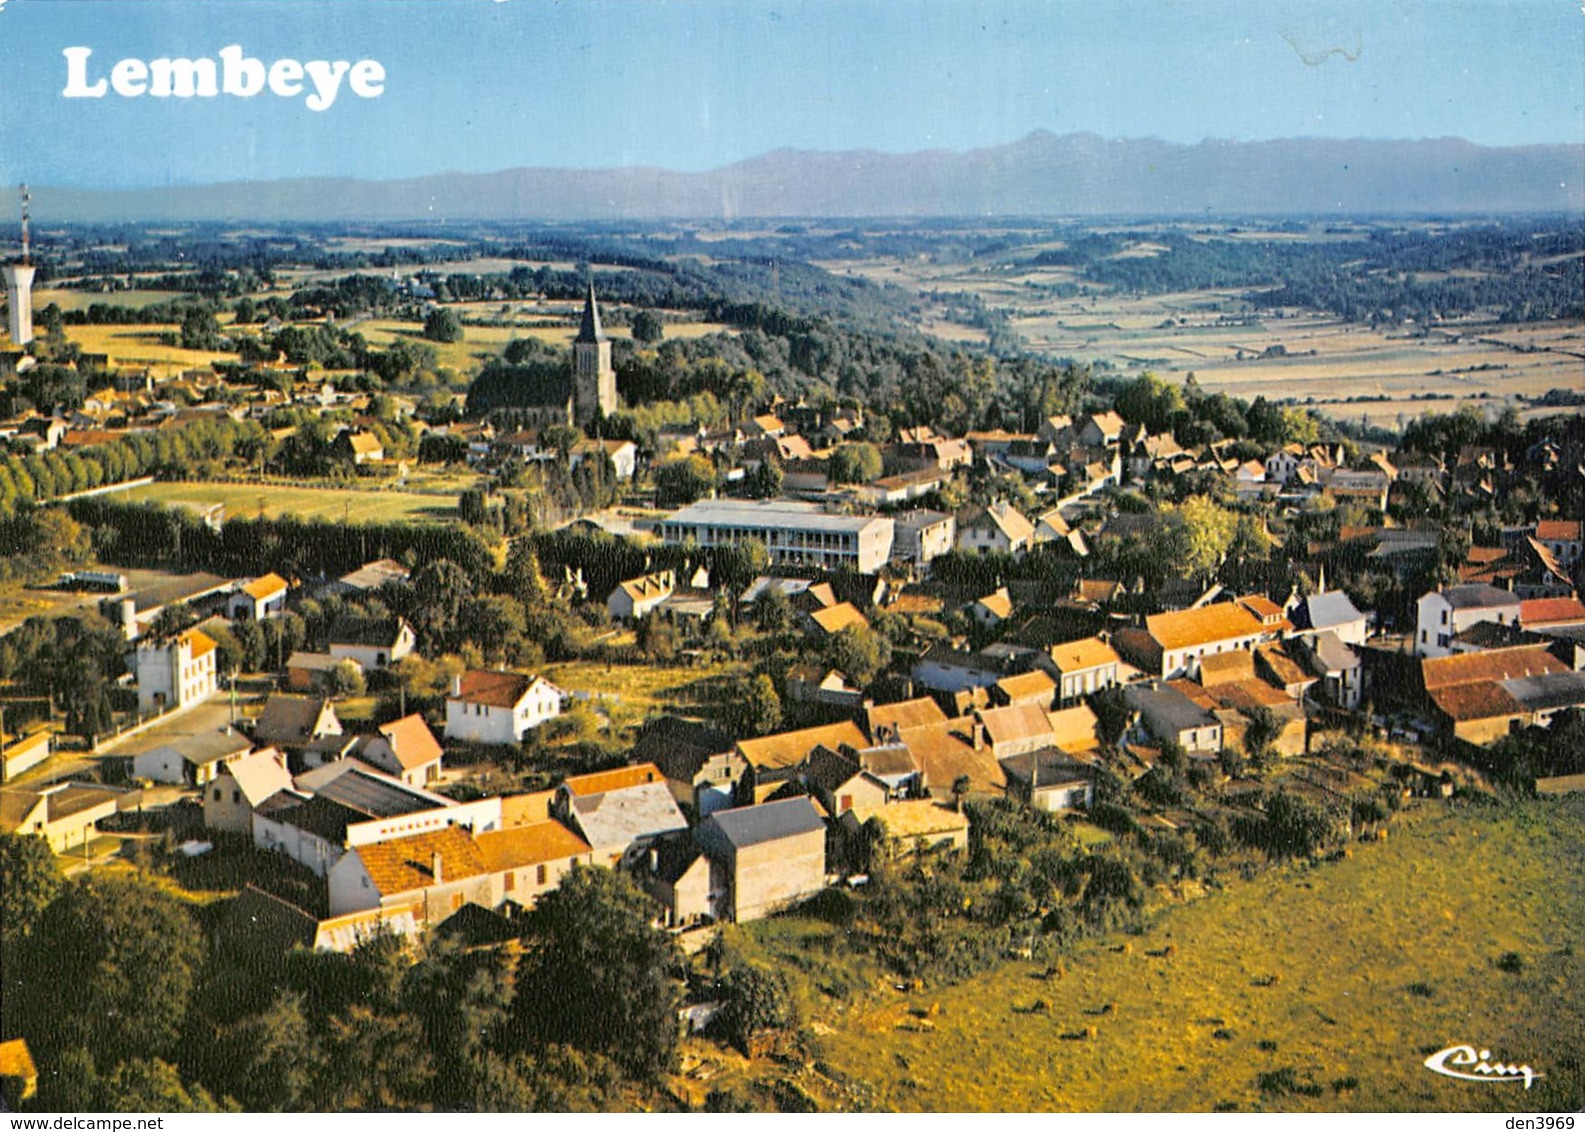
482 85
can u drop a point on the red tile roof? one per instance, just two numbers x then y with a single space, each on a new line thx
1188 628
584 785
1488 667
1551 611
494 689
406 864
412 741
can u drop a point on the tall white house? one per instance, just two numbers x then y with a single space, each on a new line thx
1443 614
175 673
19 302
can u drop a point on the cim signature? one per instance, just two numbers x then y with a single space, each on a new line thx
1444 1061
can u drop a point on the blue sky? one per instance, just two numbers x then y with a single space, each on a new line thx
478 85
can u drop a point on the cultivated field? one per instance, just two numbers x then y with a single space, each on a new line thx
141 346
1346 975
1220 338
354 505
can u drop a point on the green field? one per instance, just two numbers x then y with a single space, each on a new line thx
1336 980
640 689
355 505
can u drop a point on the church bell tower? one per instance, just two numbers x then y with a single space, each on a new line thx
594 379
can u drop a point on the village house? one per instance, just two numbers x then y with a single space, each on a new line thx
177 672
370 577
839 783
997 529
774 759
1174 642
65 814
912 826
620 813
623 455
1082 668
316 673
1164 714
1339 667
1331 612
359 447
764 858
922 536
1480 697
258 599
700 763
191 760
992 609
1562 538
375 643
639 596
527 862
1049 779
1035 688
1013 730
1444 613
347 803
239 787
406 749
306 727
499 707
432 873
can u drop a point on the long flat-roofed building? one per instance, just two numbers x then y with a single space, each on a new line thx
794 534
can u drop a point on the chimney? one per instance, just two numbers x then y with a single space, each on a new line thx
456 685
654 861
979 735
435 867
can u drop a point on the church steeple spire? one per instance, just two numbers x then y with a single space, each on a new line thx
594 379
590 330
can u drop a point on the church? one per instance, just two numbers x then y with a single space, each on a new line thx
591 392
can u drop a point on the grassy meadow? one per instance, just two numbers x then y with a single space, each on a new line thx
1307 988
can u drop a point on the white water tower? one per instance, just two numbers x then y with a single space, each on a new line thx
19 287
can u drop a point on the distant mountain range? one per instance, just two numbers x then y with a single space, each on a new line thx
1040 175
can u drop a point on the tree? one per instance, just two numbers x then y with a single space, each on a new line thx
200 330
346 680
648 326
1204 532
110 967
1298 827
758 707
441 324
683 479
854 463
29 880
859 653
597 975
756 1004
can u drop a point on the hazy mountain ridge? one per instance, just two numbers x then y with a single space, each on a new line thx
1040 174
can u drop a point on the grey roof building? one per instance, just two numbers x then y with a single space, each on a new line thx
618 824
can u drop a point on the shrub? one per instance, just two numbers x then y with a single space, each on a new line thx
1511 962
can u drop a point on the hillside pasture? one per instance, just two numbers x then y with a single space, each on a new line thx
1308 988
